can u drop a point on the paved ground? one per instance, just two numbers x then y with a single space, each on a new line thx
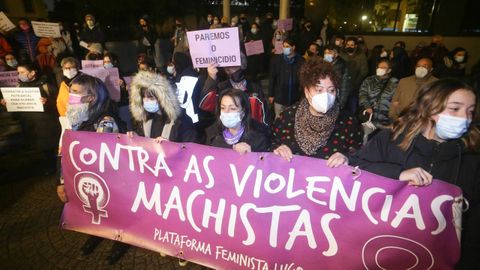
29 234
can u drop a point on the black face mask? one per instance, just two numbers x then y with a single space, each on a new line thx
237 76
309 53
434 45
350 50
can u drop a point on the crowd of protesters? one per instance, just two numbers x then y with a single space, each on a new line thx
412 116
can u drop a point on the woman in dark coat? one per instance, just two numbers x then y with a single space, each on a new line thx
437 137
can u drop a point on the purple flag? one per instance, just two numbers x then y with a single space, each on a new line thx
224 210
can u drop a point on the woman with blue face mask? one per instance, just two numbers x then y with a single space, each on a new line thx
234 127
314 126
437 137
156 109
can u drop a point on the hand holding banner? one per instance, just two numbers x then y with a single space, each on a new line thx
257 211
219 46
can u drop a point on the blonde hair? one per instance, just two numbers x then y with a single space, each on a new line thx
431 100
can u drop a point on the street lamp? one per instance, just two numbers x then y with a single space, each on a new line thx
364 17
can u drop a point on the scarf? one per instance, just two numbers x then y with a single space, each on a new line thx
232 139
312 132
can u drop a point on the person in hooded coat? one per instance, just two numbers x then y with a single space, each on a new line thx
156 109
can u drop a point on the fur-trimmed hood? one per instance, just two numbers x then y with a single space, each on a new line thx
161 88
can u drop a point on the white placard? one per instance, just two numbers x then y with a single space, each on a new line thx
46 29
22 99
5 23
219 46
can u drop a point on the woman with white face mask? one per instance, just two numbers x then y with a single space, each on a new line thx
156 109
438 137
314 126
70 71
234 127
376 93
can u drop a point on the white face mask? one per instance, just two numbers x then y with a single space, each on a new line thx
421 72
254 30
451 127
323 102
171 69
383 54
459 58
70 73
381 72
231 120
77 114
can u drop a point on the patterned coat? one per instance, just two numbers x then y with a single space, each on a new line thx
345 138
377 94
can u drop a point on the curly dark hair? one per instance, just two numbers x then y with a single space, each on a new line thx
316 69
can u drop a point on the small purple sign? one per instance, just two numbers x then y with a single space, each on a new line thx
9 78
224 210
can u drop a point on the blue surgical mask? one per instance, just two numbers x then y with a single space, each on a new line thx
151 106
230 120
108 65
451 127
328 58
23 78
287 51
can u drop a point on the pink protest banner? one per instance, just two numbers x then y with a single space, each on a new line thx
278 47
224 210
254 47
100 73
112 83
89 64
285 24
219 46
110 77
8 78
